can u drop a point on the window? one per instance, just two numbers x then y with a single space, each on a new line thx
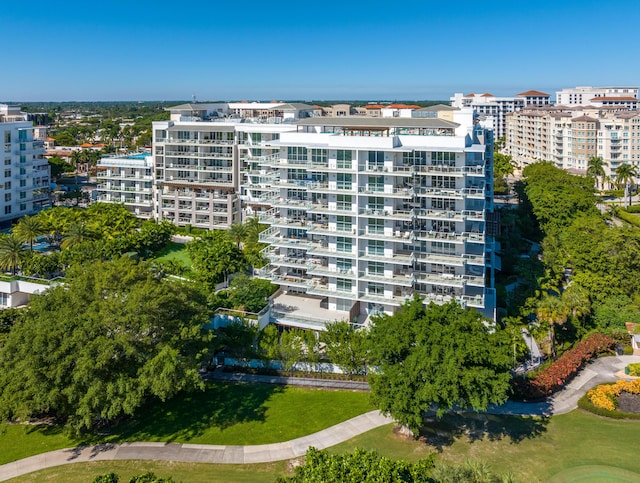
7 161
7 137
4 299
376 268
344 224
344 244
184 135
376 159
23 195
375 248
375 288
7 196
23 183
7 173
443 204
343 285
344 159
376 226
344 265
297 153
319 156
344 202
23 206
376 183
375 203
443 158
7 185
443 248
344 181
7 210
443 182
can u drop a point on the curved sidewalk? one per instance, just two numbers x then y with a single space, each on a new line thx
606 369
198 453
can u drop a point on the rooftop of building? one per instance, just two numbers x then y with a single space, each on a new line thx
614 98
378 122
533 93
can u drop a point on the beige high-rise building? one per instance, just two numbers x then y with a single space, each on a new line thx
569 137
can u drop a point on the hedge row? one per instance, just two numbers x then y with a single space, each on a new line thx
628 217
555 376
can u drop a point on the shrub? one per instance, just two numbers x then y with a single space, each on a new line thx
559 372
605 396
628 217
634 369
585 404
627 351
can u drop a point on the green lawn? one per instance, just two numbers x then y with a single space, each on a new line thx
237 414
181 472
175 251
532 449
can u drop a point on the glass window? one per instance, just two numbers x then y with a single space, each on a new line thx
443 158
375 288
344 265
319 156
345 181
344 202
344 159
297 153
376 268
344 244
344 223
376 158
375 203
376 226
343 284
376 183
375 247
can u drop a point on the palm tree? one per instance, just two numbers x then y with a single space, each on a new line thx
552 310
237 233
253 229
29 229
12 252
625 174
77 233
595 169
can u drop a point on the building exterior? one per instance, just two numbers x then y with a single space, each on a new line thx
128 180
367 212
492 110
364 212
569 137
25 174
599 96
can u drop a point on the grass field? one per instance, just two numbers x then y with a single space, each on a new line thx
532 449
575 447
236 414
175 251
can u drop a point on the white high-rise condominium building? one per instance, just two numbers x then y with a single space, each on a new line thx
363 212
367 212
492 110
127 179
598 96
570 136
25 171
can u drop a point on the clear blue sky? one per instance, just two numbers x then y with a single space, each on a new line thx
328 49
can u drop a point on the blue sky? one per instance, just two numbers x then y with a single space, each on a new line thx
322 50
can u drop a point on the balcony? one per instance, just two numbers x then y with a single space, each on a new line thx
395 299
451 170
387 191
399 235
403 278
400 257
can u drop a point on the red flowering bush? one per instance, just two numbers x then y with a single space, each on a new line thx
553 377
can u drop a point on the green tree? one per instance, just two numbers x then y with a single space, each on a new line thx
502 165
237 233
28 229
346 347
438 357
115 335
12 253
552 311
625 174
76 234
359 466
214 257
595 169
250 294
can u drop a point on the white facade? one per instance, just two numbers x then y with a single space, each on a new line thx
598 96
25 172
492 110
16 291
367 212
128 180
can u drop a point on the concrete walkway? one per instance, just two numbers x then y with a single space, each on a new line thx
198 453
606 369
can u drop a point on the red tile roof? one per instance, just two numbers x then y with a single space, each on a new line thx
373 106
627 98
486 94
532 93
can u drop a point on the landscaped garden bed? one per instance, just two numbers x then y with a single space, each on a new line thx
620 400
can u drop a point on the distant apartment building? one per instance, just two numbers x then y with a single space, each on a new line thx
492 110
599 96
25 173
128 180
570 136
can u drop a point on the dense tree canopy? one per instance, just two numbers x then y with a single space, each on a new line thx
438 357
96 348
215 256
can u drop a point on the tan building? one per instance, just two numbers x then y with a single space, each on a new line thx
569 137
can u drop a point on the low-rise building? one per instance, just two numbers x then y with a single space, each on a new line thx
128 180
